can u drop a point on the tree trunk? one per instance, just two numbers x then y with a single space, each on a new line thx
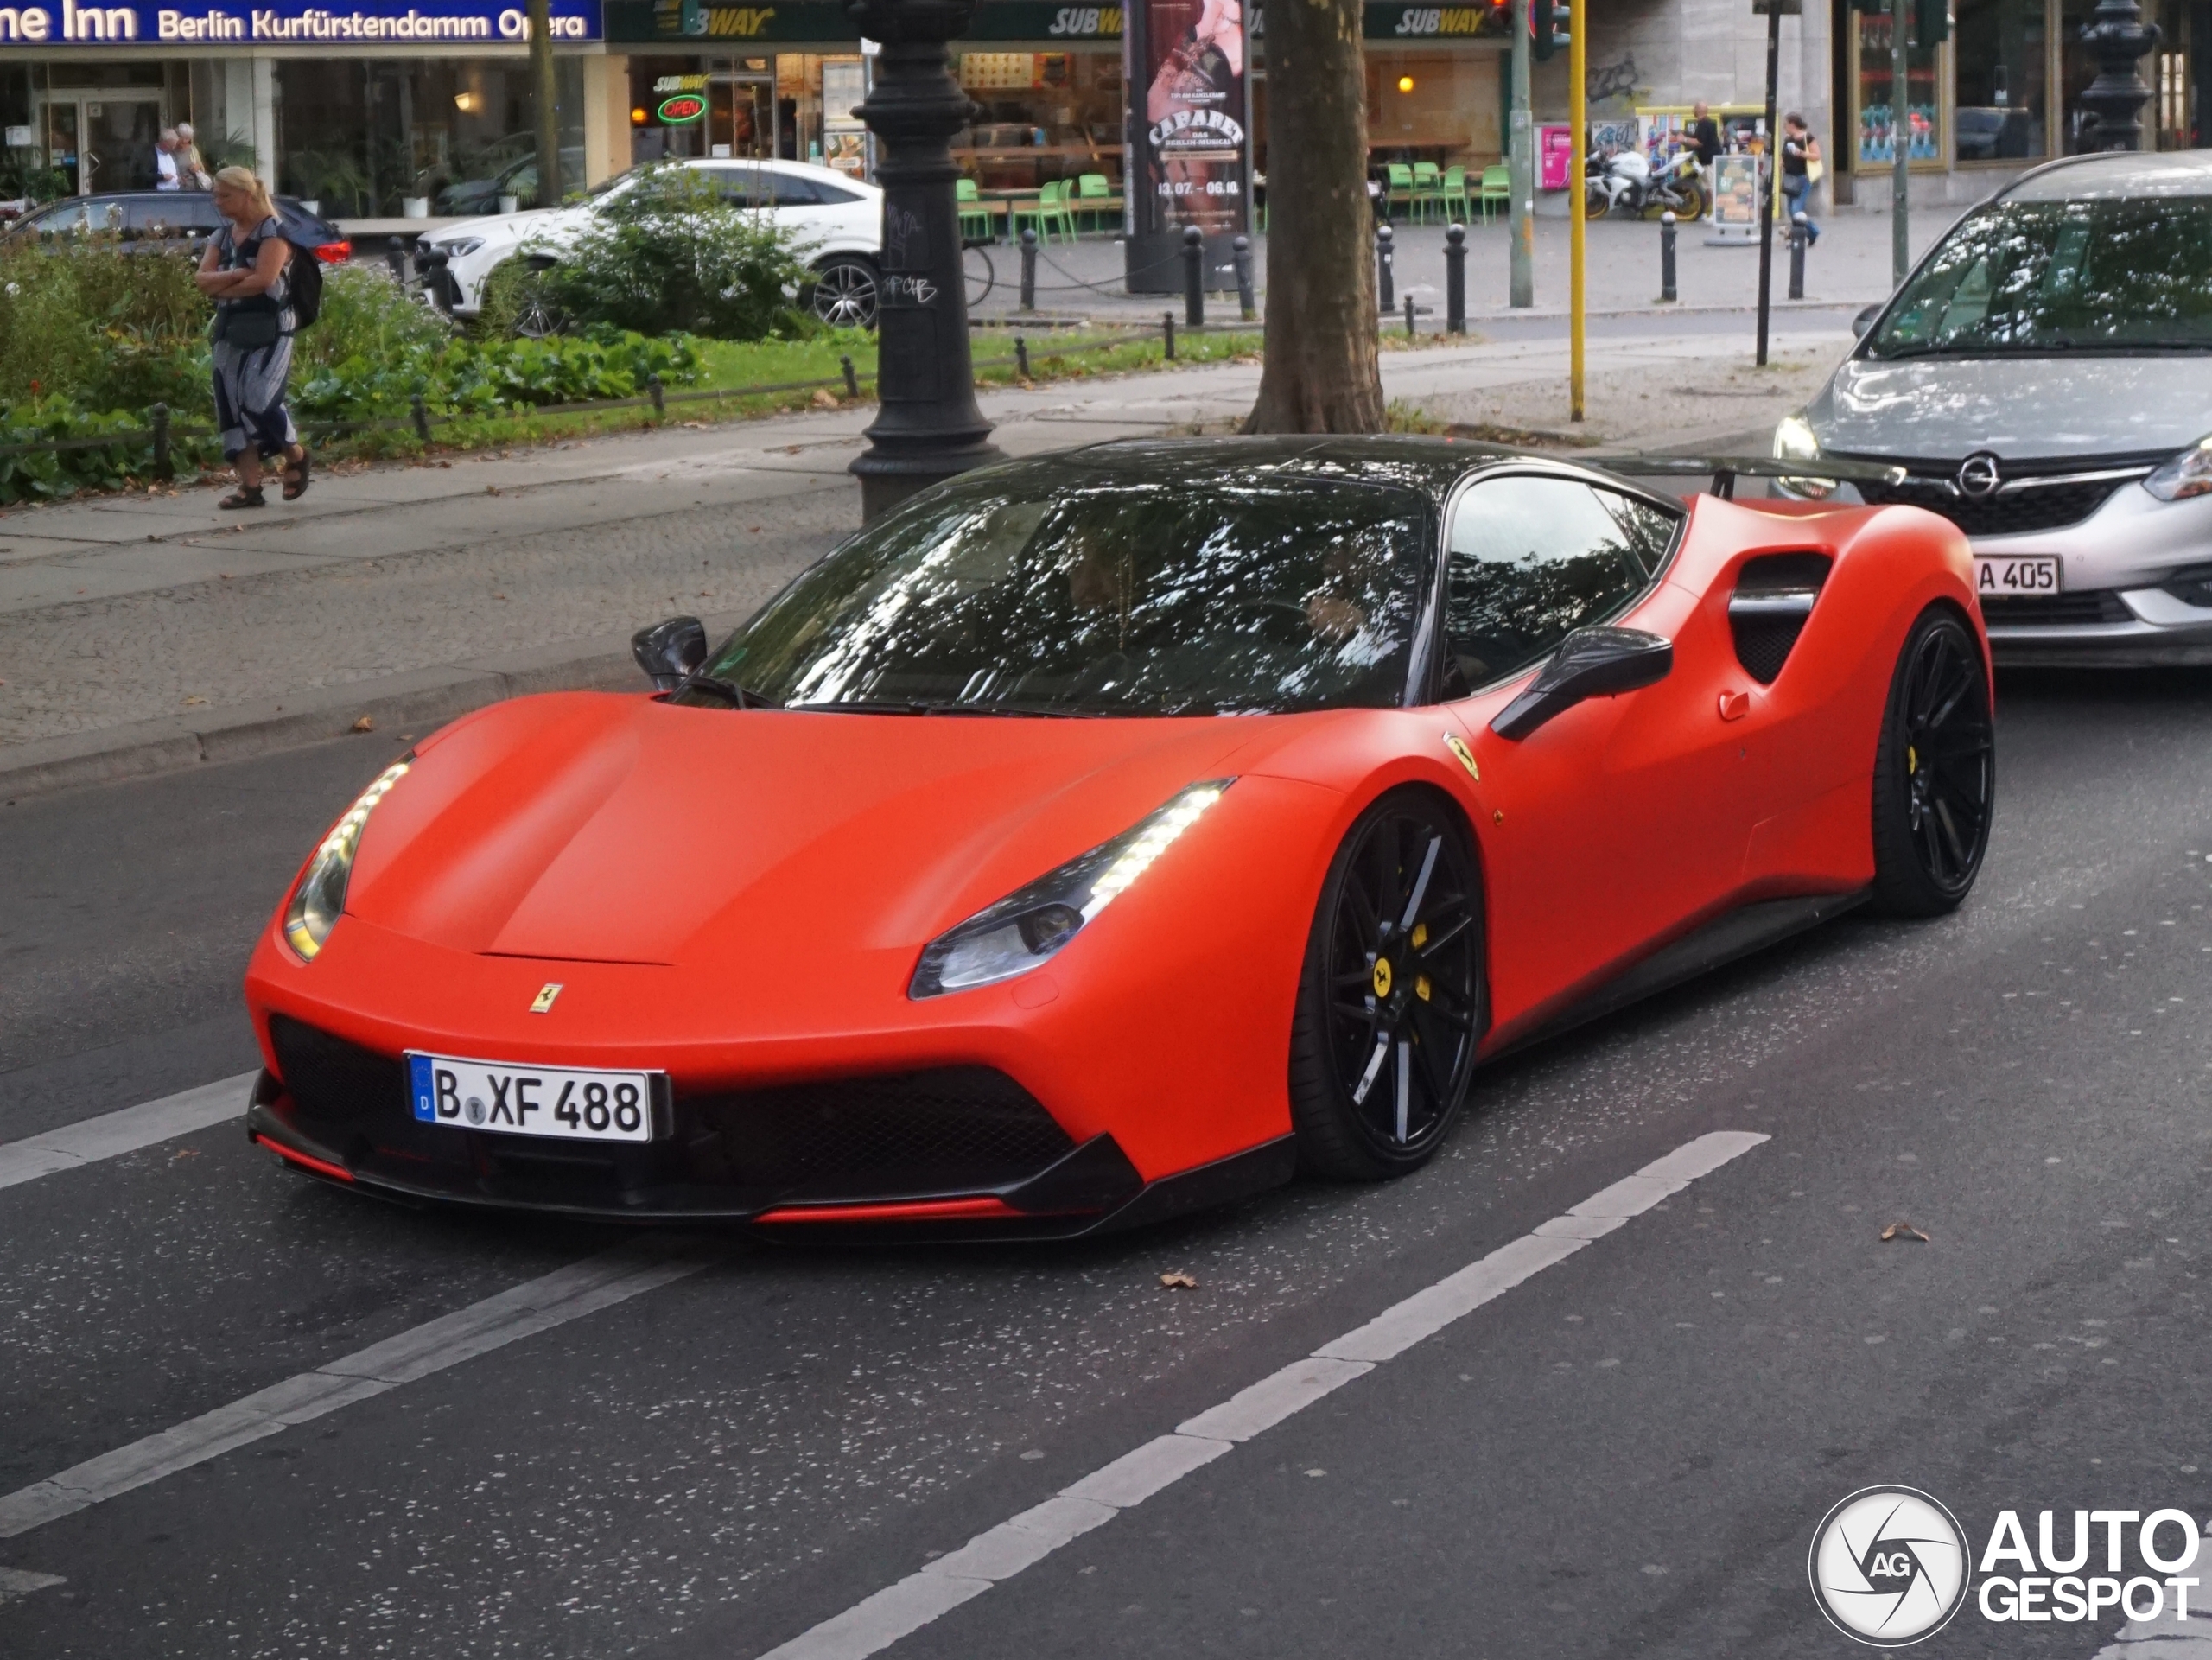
1321 373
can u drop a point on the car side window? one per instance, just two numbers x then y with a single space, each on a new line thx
1531 559
743 186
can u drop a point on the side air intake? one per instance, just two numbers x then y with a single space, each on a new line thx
1774 596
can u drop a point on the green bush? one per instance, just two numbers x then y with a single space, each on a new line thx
670 254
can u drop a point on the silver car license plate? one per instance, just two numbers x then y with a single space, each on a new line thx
521 1100
1998 576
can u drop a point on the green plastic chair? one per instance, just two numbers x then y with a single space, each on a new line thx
1428 190
1400 189
1458 209
1050 210
974 222
1496 188
1094 188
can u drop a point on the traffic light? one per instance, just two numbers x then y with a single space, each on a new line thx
1931 22
1547 27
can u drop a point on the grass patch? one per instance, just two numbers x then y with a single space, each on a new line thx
1402 417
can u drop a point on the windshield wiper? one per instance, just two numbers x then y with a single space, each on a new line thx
864 706
729 691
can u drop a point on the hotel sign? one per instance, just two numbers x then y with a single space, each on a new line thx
276 22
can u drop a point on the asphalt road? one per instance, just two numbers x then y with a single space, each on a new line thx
1626 1454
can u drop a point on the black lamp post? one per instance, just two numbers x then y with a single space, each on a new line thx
928 426
2119 36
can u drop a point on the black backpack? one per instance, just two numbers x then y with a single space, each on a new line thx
307 286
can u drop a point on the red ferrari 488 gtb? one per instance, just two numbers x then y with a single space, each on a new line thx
1102 835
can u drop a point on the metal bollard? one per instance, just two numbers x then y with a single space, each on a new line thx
1167 328
1667 293
1797 256
1029 268
395 255
1383 286
1409 316
1245 302
421 414
163 468
1194 276
1022 357
852 380
654 390
1455 279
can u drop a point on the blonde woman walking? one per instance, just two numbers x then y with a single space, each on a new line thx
245 271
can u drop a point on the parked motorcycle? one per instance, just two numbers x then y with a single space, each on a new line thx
1624 182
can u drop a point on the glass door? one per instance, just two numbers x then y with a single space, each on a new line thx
62 151
117 136
742 116
1880 122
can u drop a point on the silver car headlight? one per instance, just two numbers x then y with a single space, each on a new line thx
1025 929
2187 475
1794 440
321 896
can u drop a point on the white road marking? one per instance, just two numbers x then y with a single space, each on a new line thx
76 1144
1000 1553
567 1294
21 1582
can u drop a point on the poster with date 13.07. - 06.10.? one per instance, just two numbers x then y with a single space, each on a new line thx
1193 146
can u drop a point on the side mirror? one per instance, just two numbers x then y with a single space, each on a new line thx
1865 320
1590 663
668 651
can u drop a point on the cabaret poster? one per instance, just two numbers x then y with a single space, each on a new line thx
1191 145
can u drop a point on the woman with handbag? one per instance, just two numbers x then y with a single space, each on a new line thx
1801 171
245 272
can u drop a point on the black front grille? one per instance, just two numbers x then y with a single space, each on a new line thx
945 1130
2046 507
2054 610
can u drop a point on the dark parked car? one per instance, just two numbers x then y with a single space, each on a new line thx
156 219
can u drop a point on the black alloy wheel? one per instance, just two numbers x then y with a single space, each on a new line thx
1390 1005
1935 771
843 292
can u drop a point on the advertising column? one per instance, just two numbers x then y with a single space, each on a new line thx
1190 137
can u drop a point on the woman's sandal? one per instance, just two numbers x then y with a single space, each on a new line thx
295 484
243 496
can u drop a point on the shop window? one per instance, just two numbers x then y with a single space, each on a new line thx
1880 118
1046 116
1433 106
2003 99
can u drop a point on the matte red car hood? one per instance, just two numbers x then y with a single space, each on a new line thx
615 829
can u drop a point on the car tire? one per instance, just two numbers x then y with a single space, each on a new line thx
1935 770
1392 998
844 291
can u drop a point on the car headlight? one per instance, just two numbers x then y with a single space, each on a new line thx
321 896
2187 475
1023 930
460 248
1794 441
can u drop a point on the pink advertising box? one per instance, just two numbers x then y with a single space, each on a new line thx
1554 156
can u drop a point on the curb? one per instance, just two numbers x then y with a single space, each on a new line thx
423 698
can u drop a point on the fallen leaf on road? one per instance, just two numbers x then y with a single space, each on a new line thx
1903 1230
366 723
491 489
189 701
1179 1281
188 1153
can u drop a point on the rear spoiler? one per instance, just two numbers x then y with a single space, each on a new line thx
1725 470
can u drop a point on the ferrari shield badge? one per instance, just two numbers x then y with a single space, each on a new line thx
1458 745
543 1004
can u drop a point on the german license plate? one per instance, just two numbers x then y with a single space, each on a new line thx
1997 577
512 1100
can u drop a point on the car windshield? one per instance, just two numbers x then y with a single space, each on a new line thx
2048 276
1068 594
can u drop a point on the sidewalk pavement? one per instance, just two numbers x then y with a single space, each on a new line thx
1849 265
141 632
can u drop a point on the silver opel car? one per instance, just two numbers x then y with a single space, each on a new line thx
2044 378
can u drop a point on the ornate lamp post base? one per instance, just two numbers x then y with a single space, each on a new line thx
2119 36
928 427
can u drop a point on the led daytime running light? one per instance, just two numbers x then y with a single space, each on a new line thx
1158 834
321 895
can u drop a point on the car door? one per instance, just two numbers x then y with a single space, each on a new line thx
1617 822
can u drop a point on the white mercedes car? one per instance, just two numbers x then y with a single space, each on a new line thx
836 222
2045 377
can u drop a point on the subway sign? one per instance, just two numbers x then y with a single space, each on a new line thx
227 22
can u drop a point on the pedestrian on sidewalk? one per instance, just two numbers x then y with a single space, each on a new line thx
191 165
166 173
1801 171
245 272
